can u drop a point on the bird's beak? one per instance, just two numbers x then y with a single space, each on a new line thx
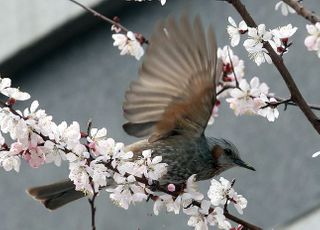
243 164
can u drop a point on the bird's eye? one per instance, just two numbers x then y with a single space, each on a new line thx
228 152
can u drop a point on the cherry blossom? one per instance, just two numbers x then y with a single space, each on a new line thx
152 168
196 220
99 174
312 42
163 2
316 154
53 153
15 94
126 192
79 176
219 191
285 8
259 54
256 36
245 99
270 112
4 83
218 218
128 44
284 32
235 31
9 160
239 202
227 56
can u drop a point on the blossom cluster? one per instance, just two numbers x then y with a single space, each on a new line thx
251 98
207 211
97 163
312 41
127 43
257 37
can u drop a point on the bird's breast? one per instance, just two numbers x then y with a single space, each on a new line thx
183 156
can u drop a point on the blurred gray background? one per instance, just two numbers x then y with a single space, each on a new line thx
76 74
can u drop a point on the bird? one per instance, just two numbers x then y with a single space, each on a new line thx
169 105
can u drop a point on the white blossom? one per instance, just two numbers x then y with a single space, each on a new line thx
316 154
163 200
2 140
312 42
257 36
245 100
15 94
191 192
4 83
70 135
9 160
259 54
100 144
227 57
270 112
218 218
196 220
219 191
99 174
128 44
53 153
79 175
239 202
285 8
127 191
152 168
214 113
235 31
284 32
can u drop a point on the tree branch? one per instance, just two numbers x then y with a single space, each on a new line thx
302 11
93 210
143 180
277 60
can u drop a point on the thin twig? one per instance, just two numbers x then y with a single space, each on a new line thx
139 37
97 14
93 210
277 60
279 99
225 88
232 68
284 102
302 11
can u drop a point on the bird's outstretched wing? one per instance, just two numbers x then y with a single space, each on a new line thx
175 91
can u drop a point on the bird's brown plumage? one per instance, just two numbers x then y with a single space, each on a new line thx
175 91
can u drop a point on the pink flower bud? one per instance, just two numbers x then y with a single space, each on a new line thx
171 187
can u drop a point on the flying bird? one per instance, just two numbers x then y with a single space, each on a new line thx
170 104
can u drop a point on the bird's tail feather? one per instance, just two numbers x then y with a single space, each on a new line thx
56 195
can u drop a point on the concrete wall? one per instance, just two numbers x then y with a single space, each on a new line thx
23 22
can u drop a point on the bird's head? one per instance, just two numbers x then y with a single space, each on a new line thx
226 154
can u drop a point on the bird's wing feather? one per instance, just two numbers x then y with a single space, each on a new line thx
175 91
